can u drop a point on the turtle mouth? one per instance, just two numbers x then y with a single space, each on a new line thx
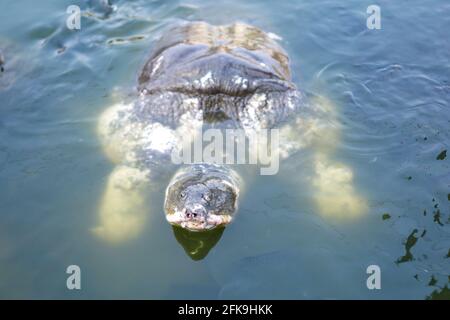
198 223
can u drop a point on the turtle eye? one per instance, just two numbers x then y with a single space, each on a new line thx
206 197
183 195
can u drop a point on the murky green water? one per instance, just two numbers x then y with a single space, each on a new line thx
392 90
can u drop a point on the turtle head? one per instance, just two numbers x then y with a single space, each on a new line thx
201 197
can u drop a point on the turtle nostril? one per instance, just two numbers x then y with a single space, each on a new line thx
190 214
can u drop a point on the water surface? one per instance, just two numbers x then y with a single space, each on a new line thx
392 90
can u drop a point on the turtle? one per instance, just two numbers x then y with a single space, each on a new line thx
200 76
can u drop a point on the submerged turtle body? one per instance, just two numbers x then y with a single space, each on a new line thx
199 75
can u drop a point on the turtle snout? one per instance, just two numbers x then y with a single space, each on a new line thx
197 213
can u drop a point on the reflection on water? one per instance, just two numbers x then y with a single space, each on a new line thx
197 244
391 89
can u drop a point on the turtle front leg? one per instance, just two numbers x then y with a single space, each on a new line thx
334 192
123 210
114 131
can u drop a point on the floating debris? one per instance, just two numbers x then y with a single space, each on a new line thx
386 216
2 63
437 217
410 242
442 155
444 294
100 9
124 40
433 281
61 50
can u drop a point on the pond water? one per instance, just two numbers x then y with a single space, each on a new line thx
391 88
